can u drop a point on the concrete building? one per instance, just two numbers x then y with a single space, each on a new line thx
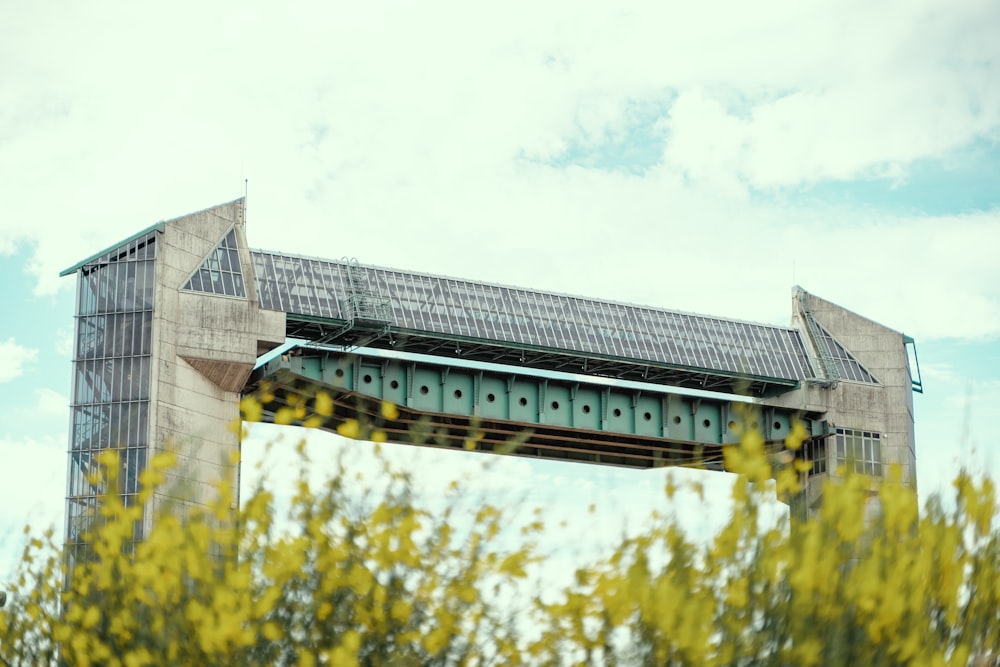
172 322
161 357
863 386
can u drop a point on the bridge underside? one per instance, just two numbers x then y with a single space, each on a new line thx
512 412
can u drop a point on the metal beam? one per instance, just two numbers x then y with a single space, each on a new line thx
563 419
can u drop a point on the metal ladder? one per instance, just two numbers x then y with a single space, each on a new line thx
362 306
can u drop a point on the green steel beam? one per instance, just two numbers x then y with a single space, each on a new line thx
565 419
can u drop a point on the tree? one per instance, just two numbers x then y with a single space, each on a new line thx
381 580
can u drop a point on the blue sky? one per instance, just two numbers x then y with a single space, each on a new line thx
700 158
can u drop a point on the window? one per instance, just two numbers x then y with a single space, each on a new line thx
221 272
862 449
111 379
845 365
815 452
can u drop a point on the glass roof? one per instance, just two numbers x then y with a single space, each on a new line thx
124 248
845 365
570 324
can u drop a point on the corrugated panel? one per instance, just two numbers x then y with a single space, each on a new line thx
447 306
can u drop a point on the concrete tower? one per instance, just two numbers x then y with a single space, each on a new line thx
167 332
863 387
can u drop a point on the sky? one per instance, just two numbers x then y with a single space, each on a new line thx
702 157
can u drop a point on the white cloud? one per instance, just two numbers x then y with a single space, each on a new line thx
64 342
586 509
407 124
406 117
50 404
860 129
932 277
955 422
8 243
13 359
32 493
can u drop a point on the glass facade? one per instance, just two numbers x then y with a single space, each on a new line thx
221 272
111 378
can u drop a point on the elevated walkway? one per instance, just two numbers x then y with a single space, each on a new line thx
447 317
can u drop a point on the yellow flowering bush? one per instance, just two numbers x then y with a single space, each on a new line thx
906 588
382 580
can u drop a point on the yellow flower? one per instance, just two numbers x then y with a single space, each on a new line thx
284 415
323 404
389 410
91 617
349 429
251 409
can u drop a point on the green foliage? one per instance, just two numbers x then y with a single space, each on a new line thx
383 581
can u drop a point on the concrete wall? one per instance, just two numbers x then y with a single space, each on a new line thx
887 407
204 347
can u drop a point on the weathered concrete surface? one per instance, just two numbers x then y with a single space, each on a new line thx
885 408
204 347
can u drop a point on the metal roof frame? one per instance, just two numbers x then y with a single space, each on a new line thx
93 259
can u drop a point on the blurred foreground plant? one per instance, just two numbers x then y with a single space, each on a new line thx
381 580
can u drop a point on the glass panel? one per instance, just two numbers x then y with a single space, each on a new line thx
88 294
147 285
222 259
863 448
439 305
221 273
847 366
111 372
